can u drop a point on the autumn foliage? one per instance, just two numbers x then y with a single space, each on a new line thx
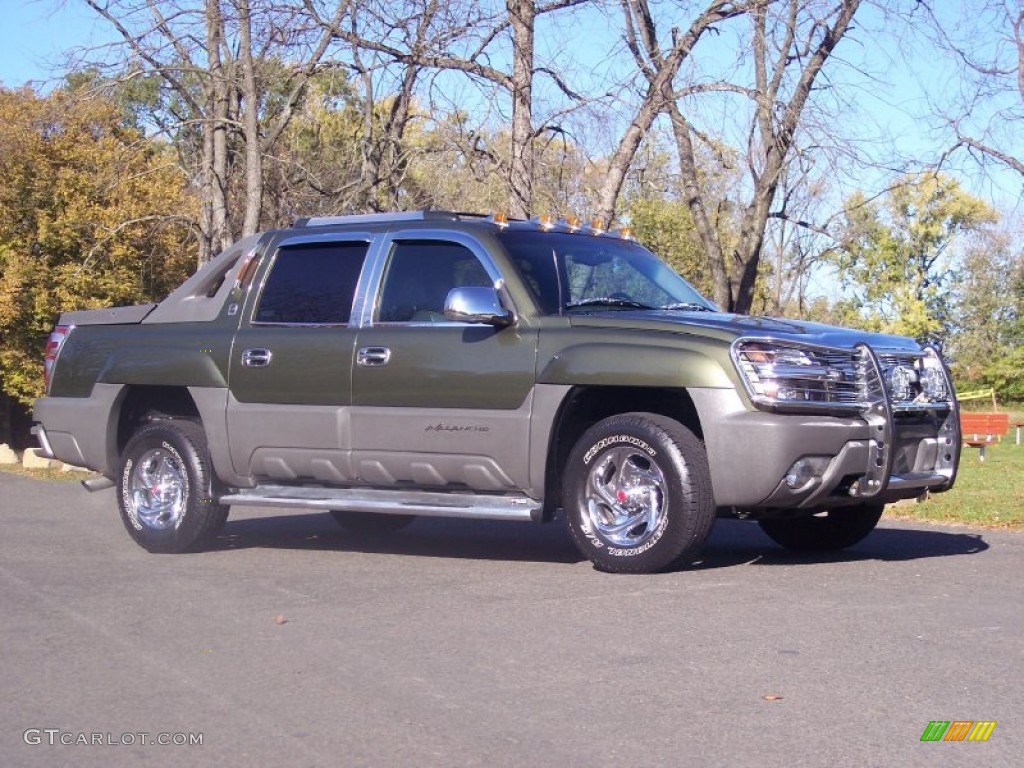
92 214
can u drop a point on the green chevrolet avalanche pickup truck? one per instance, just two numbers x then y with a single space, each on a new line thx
386 366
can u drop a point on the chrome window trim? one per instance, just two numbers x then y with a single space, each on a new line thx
271 323
324 237
382 255
425 324
292 240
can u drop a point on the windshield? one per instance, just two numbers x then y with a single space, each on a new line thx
567 272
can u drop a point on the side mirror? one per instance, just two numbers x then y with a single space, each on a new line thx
474 304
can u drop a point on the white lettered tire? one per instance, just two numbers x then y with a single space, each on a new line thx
637 494
165 491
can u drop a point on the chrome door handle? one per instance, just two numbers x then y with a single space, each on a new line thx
256 358
373 356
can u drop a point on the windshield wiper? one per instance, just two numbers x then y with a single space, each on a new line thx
689 306
607 301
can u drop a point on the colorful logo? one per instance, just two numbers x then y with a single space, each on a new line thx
958 730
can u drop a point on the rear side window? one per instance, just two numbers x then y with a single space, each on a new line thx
312 284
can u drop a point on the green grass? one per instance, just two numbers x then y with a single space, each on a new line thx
45 474
988 494
56 473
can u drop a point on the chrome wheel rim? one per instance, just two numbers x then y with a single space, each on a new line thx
625 497
158 489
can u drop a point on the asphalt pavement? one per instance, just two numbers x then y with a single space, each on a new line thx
460 643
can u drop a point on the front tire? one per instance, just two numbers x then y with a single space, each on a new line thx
637 494
827 531
166 497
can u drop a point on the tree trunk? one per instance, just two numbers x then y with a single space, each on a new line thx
217 165
622 159
206 185
694 198
398 120
660 70
521 14
250 124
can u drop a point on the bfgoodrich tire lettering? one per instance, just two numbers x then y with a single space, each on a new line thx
637 494
166 497
827 531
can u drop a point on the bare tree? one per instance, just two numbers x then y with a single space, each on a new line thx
794 242
387 89
789 43
466 38
986 113
659 69
210 55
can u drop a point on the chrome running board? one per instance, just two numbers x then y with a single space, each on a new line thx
427 503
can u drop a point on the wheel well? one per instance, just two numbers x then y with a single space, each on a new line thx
585 406
143 404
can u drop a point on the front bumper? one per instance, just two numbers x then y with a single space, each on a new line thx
879 455
922 462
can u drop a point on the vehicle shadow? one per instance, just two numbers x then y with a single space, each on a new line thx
731 543
425 537
735 542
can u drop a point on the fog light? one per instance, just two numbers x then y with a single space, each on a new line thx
805 472
933 386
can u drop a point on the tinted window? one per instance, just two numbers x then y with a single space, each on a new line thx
419 276
563 270
312 283
611 274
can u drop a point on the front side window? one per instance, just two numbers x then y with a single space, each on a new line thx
420 274
312 284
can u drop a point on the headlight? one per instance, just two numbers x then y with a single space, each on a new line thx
778 374
790 376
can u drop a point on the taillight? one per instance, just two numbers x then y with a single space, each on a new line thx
57 337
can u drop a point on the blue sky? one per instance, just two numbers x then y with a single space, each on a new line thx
34 36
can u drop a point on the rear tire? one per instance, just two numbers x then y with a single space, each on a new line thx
637 494
166 497
371 522
828 531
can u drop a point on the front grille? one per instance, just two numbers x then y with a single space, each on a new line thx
843 383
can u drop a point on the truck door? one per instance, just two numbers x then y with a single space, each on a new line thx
436 402
290 374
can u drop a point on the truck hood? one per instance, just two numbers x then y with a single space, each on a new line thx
729 326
